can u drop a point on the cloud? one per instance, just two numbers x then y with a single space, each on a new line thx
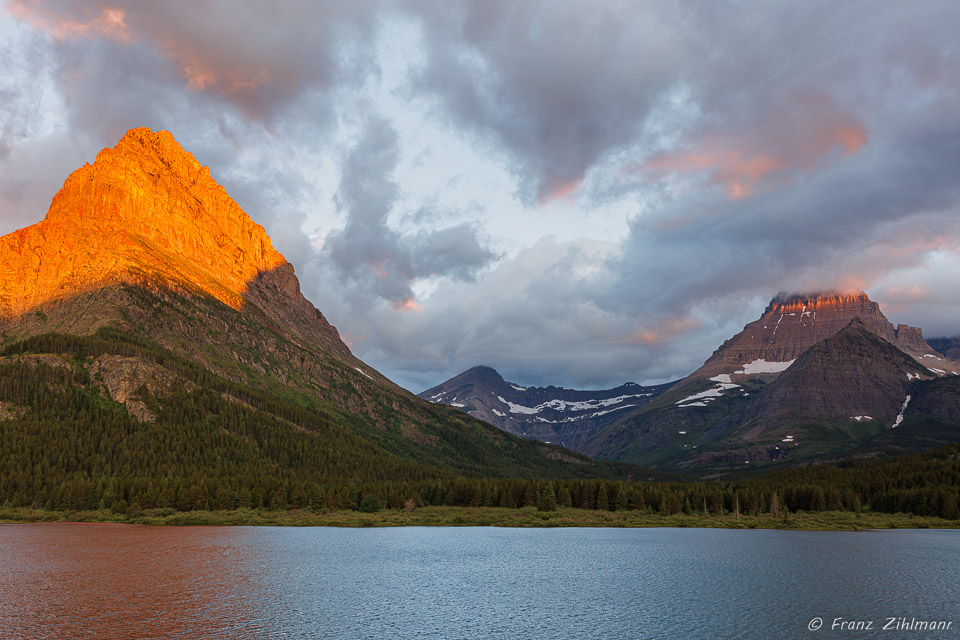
258 58
110 23
374 259
793 138
792 146
556 85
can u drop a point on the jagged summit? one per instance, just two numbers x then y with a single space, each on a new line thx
144 210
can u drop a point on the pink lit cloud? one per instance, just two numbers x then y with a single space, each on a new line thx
809 131
110 23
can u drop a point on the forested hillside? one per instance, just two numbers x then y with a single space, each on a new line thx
213 444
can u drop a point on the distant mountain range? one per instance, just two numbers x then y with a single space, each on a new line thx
550 414
816 377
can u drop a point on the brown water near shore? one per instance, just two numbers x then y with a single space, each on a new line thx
116 581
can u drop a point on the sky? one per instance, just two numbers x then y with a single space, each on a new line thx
574 193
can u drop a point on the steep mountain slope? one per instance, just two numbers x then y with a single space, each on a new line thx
145 211
837 395
774 394
549 414
149 279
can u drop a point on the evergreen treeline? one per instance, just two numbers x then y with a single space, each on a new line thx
223 446
457 442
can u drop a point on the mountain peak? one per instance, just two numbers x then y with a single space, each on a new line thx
484 373
854 372
794 322
785 303
145 210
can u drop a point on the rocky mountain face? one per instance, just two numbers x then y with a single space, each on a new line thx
548 414
147 266
145 210
853 373
810 380
791 324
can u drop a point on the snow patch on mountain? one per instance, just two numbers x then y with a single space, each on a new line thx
762 366
699 399
563 405
902 410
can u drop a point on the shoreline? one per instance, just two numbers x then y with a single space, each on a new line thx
527 517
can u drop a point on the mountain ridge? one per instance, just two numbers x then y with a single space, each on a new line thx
549 414
792 323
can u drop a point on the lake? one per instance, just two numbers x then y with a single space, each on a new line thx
129 581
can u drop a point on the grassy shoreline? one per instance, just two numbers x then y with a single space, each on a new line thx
489 516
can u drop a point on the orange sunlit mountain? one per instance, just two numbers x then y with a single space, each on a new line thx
165 298
145 210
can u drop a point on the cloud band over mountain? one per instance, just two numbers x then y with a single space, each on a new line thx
574 193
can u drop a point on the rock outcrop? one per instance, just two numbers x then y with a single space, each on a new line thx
123 378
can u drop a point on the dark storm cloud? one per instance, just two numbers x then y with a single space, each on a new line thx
556 84
368 251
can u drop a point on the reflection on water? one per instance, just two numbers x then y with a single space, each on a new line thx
118 581
124 581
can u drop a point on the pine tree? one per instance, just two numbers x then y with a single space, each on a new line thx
565 500
548 499
620 503
603 503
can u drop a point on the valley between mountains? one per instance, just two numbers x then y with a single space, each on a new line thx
157 356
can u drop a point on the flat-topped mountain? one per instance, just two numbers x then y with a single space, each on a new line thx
549 414
791 324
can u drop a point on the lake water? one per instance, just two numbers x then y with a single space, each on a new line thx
121 581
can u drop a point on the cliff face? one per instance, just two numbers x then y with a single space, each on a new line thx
145 209
792 324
